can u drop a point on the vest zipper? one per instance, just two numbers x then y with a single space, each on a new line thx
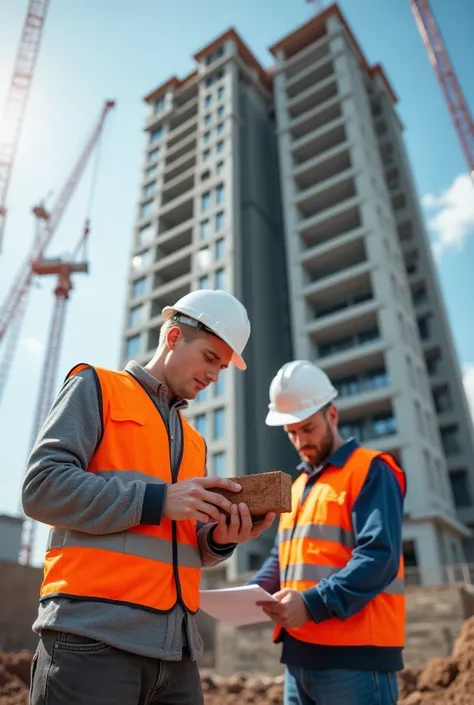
174 526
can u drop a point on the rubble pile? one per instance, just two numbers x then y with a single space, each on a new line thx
442 681
14 677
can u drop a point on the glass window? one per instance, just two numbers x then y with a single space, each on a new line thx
220 194
201 424
204 229
151 171
149 188
203 282
206 137
213 56
219 168
219 222
138 288
460 488
156 135
206 155
220 248
208 101
203 258
135 316
202 396
205 201
220 111
384 425
153 153
145 209
218 464
142 261
218 423
145 235
220 129
220 93
218 387
220 279
159 104
220 147
133 346
208 119
450 441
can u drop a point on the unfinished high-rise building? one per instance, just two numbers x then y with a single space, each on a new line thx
291 188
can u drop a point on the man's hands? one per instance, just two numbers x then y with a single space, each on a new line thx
193 499
240 527
290 612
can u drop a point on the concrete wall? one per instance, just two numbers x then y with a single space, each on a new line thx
19 591
434 619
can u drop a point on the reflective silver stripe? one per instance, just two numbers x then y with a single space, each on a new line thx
129 476
323 532
315 573
129 542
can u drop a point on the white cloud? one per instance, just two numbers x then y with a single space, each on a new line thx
453 220
34 347
468 379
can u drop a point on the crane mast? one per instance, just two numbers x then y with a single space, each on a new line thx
447 78
17 97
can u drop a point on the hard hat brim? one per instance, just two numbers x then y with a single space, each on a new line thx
236 359
278 418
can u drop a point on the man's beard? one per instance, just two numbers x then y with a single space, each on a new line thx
316 455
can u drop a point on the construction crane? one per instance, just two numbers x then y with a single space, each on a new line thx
14 306
63 270
447 78
17 97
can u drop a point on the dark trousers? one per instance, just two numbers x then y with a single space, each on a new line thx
73 670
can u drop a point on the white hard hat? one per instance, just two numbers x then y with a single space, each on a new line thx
220 313
298 390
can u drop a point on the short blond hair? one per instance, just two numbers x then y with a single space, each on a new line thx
189 332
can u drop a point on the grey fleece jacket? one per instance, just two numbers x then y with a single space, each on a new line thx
58 491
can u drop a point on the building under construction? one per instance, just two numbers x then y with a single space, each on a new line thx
292 189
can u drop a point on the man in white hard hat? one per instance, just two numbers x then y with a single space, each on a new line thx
336 568
120 475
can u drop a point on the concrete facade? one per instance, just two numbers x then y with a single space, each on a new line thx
209 215
351 298
291 188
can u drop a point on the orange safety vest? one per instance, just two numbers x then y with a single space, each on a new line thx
150 566
316 540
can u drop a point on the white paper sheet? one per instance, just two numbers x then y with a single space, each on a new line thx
236 606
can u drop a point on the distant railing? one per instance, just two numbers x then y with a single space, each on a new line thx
442 575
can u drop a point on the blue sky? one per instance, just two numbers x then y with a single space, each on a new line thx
99 49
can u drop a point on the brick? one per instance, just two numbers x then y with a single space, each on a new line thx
262 493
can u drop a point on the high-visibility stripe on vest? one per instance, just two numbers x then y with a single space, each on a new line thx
316 540
150 566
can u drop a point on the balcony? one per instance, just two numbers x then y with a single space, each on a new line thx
310 77
171 267
176 238
179 186
183 148
306 58
169 294
311 98
331 224
323 167
368 393
180 166
341 318
326 138
378 425
186 129
338 292
336 256
176 212
183 113
315 119
329 194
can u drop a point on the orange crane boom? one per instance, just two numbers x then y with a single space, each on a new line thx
447 78
24 276
17 98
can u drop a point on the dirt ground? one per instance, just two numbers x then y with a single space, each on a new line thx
442 681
